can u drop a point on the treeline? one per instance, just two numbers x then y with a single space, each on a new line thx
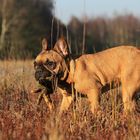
104 32
23 24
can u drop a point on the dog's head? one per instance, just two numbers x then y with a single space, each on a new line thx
50 63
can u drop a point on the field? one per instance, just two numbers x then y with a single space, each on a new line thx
22 119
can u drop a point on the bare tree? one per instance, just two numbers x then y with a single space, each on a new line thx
22 25
5 24
10 14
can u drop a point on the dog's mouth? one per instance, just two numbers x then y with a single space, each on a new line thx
45 77
42 75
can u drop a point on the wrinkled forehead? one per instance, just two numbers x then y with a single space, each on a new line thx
47 55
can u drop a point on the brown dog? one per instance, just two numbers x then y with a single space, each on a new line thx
90 72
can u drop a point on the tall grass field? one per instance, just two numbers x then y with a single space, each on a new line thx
22 119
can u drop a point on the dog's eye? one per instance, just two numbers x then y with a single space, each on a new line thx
51 64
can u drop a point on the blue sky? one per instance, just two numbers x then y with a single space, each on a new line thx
64 9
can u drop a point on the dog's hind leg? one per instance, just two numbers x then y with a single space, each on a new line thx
127 97
130 85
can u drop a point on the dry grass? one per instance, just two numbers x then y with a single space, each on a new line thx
21 119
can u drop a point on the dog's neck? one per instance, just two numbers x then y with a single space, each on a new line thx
72 66
69 70
65 69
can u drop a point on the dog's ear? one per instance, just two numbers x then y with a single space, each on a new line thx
44 44
61 47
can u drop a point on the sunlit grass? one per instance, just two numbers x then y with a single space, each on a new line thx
21 118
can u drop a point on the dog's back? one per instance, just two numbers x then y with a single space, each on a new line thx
111 63
116 63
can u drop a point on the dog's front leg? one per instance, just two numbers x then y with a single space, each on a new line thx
39 99
66 100
48 101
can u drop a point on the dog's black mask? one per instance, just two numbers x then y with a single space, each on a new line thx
42 75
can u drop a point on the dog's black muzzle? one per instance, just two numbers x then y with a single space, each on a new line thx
45 77
42 75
